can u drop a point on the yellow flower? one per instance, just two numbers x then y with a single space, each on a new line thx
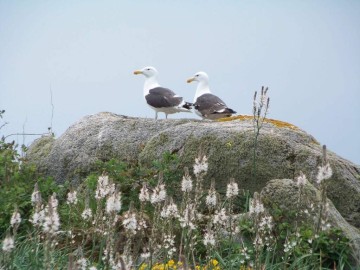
158 266
171 263
214 262
143 266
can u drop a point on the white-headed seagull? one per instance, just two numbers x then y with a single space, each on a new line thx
161 99
207 105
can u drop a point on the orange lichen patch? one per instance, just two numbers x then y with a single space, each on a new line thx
238 117
278 123
281 124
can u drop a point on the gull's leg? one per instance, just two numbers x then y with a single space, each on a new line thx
156 115
166 115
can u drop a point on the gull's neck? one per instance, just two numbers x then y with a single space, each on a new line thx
150 83
203 88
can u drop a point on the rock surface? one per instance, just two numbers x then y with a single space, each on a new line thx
283 150
285 194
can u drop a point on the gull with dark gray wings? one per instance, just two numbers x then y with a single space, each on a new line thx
161 99
207 105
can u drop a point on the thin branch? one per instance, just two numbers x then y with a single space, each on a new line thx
324 155
3 125
52 108
23 136
27 134
23 131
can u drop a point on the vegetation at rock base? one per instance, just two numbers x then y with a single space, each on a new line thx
128 216
123 216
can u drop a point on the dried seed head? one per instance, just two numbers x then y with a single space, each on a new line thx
159 194
130 222
72 197
104 187
211 198
186 183
325 172
209 238
15 218
113 202
201 165
256 207
86 214
51 222
232 189
144 195
8 243
36 196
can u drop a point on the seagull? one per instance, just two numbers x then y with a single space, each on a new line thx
207 105
161 99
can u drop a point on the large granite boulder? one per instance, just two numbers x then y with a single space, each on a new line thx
284 193
283 150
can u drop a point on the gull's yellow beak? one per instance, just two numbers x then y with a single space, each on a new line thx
137 72
190 80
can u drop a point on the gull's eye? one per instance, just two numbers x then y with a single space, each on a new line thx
148 69
197 75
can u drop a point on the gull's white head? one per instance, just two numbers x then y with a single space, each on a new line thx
147 72
199 77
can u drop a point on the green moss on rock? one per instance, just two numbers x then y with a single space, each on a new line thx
40 150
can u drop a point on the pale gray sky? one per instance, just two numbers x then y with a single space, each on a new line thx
307 52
